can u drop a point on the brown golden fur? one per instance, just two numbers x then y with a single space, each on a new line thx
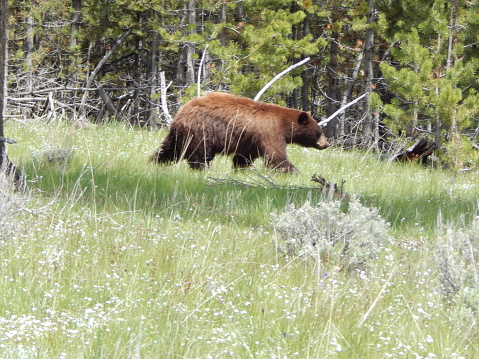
229 124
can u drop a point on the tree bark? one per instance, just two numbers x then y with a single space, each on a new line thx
223 41
305 103
186 69
74 27
152 103
331 131
29 53
164 103
136 119
349 89
369 125
452 23
6 166
3 49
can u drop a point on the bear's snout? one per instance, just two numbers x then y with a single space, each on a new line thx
322 143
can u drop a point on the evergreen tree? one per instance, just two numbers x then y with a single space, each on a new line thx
430 77
424 52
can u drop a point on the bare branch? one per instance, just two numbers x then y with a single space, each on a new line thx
278 76
7 140
99 66
164 103
323 122
109 104
199 69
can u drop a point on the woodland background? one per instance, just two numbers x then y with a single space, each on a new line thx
109 256
92 60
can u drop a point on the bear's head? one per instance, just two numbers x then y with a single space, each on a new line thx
308 133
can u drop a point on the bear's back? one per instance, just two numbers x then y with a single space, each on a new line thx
224 107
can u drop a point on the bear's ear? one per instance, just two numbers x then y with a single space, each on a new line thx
303 118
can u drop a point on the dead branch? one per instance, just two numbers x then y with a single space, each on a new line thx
330 189
164 103
278 76
323 122
98 67
109 104
199 69
7 140
419 151
257 178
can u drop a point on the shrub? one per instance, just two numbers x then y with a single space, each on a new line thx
53 154
325 233
456 255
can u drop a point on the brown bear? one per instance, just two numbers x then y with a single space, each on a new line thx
228 124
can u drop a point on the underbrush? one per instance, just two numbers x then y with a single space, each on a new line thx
115 257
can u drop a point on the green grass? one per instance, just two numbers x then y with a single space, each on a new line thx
119 258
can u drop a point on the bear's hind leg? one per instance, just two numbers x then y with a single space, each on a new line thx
164 153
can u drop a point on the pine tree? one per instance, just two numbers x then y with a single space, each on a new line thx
431 78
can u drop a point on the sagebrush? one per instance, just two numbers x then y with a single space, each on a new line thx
456 255
325 232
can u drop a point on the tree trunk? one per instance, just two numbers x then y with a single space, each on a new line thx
223 42
369 125
153 80
239 11
136 119
29 53
186 68
331 130
452 23
437 132
305 104
223 14
3 49
6 166
74 27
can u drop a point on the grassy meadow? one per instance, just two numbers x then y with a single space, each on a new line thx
113 257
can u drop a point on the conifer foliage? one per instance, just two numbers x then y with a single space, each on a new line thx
418 59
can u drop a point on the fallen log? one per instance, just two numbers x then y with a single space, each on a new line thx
420 151
330 189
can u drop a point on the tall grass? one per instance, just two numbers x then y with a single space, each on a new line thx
119 258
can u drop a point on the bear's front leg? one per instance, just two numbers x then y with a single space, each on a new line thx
241 161
286 166
280 163
200 163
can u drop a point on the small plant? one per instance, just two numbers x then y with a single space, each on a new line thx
53 154
319 231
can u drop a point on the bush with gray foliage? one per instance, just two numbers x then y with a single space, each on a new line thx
326 232
456 255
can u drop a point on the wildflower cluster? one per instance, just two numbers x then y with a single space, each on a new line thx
359 234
